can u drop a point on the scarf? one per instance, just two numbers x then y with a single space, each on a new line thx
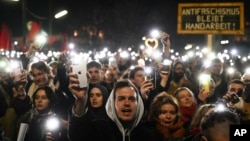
34 87
174 131
188 112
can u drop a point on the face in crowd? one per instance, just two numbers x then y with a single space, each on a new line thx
125 103
40 73
164 110
96 98
43 99
185 97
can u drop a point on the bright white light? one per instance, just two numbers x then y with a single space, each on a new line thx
234 52
190 54
173 57
167 62
204 77
144 38
105 49
52 124
230 70
71 45
149 51
3 64
148 70
184 58
132 67
220 107
142 47
124 54
61 14
155 33
129 49
15 43
204 50
14 64
41 38
244 59
223 42
247 70
207 63
156 55
188 46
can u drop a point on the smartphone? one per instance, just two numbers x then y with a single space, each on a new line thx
17 68
165 69
80 68
234 99
166 66
150 74
205 82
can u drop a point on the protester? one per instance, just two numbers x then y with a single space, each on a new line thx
218 75
216 125
40 73
13 99
44 101
179 79
188 104
235 102
124 108
137 77
164 113
94 69
97 99
110 78
194 130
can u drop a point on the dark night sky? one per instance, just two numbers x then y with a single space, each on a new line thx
138 16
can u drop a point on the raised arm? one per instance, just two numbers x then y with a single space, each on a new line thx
80 95
165 40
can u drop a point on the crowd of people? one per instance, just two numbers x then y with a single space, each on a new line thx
122 103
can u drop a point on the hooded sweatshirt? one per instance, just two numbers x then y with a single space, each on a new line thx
111 112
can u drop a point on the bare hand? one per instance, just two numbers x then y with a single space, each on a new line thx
49 137
165 38
79 93
146 87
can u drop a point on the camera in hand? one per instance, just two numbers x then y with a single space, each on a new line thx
150 74
234 99
165 69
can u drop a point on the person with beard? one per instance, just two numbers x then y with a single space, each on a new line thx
218 75
179 79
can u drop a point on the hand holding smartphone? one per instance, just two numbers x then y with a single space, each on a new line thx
79 67
150 74
166 66
17 70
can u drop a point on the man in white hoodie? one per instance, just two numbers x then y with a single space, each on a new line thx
124 108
